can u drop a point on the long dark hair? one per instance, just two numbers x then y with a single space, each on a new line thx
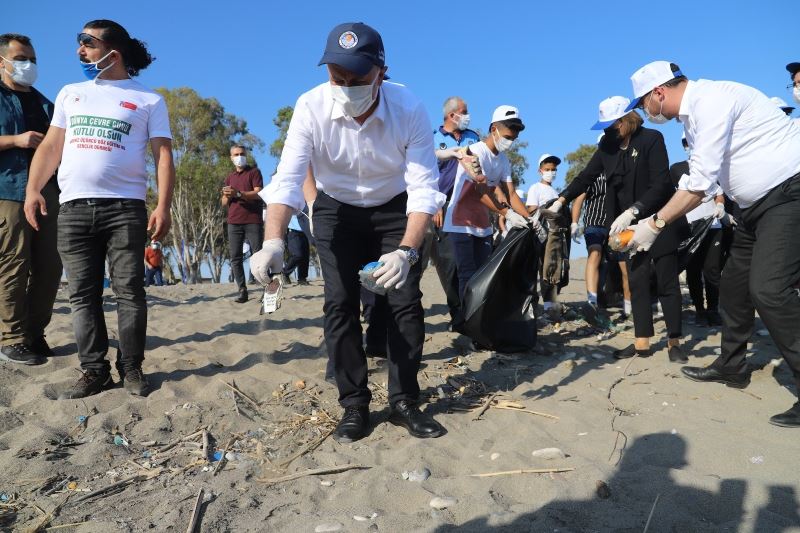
134 52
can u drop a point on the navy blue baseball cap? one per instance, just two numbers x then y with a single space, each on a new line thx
355 47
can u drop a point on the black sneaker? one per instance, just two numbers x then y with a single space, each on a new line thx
286 279
714 319
91 383
242 296
41 347
19 353
135 382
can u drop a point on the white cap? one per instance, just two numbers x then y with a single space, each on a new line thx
545 157
505 112
649 77
611 109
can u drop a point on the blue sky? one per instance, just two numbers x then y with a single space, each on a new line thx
554 60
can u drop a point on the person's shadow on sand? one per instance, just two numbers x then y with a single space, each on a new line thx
648 471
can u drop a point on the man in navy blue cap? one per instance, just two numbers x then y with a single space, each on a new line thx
370 146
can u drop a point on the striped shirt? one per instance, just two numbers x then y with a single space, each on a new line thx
594 207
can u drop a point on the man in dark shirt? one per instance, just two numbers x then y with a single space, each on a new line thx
245 219
30 267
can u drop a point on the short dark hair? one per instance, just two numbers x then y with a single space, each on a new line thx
677 80
238 146
513 124
134 52
6 38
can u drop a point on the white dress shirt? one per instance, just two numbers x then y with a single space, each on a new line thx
738 138
363 165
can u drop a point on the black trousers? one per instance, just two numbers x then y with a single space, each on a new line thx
762 274
444 258
704 271
237 234
299 254
347 238
669 292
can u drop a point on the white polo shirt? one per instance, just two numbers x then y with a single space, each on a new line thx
738 138
364 165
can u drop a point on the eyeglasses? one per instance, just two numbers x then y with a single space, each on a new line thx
87 39
793 85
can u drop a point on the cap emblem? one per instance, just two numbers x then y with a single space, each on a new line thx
348 40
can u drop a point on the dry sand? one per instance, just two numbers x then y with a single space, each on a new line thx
706 452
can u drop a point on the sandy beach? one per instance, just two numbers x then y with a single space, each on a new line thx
635 440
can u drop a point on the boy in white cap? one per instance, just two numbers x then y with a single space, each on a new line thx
742 141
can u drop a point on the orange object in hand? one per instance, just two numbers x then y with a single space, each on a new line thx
620 241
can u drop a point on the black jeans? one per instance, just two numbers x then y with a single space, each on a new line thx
704 271
669 292
444 259
90 230
471 253
762 274
347 238
237 234
297 246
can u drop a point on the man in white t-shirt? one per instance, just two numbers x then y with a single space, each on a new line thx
475 194
99 135
553 250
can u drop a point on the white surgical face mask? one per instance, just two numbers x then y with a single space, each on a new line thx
501 143
548 175
23 72
796 93
239 160
656 119
355 101
462 122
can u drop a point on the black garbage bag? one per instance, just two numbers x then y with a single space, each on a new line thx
689 246
500 299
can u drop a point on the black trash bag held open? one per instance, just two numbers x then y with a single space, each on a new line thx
500 299
689 246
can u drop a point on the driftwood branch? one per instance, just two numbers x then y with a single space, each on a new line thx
313 472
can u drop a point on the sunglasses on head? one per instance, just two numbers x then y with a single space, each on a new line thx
87 39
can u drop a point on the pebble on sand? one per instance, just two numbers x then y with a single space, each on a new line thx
549 454
443 502
325 528
417 475
494 456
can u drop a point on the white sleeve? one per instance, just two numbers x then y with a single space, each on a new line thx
158 121
286 186
422 172
532 198
59 117
506 176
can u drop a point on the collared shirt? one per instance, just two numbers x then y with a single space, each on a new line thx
241 211
739 139
442 140
363 165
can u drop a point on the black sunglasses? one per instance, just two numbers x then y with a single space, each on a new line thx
87 39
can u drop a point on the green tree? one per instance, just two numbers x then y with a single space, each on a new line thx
281 121
202 134
578 160
519 163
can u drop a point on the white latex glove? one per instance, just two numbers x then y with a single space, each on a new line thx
541 233
555 207
449 153
268 260
576 231
644 235
394 270
311 217
719 211
728 220
515 220
622 222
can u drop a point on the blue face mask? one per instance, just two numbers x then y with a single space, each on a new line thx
91 70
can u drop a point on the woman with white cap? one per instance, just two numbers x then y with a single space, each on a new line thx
634 161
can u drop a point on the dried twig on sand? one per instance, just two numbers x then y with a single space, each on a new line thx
119 484
495 403
524 471
485 407
205 445
195 512
222 460
652 510
310 447
313 472
182 439
242 395
48 517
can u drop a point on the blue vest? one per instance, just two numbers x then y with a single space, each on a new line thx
14 161
442 140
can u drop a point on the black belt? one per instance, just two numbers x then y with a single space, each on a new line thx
104 201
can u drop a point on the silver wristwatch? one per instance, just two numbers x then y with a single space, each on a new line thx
411 254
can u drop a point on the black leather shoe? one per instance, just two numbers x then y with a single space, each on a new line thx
354 424
630 351
418 424
709 373
39 346
676 355
714 319
242 297
789 419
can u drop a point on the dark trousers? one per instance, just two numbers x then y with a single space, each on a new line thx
444 259
88 232
640 267
237 234
704 271
762 274
347 238
299 254
153 277
30 270
471 253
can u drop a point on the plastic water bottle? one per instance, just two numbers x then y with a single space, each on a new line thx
619 241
